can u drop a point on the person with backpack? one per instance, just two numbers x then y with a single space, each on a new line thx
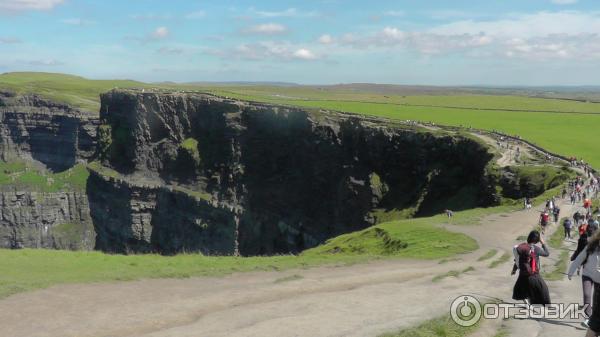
544 218
530 286
568 225
589 260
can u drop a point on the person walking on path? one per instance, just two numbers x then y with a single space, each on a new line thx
568 226
530 286
579 265
589 258
544 219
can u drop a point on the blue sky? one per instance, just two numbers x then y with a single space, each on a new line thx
459 42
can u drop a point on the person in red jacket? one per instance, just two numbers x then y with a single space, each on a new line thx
544 219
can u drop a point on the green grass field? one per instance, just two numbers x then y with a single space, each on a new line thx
566 127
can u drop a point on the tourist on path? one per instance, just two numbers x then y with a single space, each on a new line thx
530 286
544 219
568 225
589 258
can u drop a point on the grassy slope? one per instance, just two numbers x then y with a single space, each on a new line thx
415 238
565 133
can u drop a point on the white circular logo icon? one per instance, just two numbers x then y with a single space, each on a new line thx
465 311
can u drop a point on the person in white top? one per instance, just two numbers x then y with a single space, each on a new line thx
589 258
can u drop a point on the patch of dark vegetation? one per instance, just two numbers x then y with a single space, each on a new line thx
390 245
530 181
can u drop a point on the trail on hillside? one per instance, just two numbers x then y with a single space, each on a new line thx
358 300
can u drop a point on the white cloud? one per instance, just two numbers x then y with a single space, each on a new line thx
528 25
267 50
538 36
195 15
304 54
266 29
564 2
326 39
24 5
160 33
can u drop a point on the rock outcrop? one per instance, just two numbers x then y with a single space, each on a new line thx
56 136
45 220
132 218
51 133
190 172
197 173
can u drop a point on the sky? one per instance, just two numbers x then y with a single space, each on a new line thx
427 42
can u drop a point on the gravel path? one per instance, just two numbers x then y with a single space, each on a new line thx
358 300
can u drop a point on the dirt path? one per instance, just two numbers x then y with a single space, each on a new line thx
359 300
510 152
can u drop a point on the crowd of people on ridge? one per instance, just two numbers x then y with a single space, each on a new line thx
530 287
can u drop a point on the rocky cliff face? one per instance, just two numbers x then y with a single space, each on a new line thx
141 218
45 220
56 136
199 173
51 133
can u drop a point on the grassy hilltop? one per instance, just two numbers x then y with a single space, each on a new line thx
74 90
562 126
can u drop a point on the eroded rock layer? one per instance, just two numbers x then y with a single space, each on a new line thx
51 133
57 137
45 220
190 172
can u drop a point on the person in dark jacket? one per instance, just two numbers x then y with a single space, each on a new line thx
568 225
530 286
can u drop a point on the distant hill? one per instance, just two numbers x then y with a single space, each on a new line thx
84 93
238 83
